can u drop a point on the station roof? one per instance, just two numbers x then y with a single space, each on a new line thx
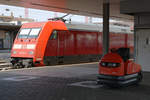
9 27
81 7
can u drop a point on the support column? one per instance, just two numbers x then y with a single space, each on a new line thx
11 39
105 27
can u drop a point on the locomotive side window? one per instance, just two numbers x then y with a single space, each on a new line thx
24 33
54 35
34 33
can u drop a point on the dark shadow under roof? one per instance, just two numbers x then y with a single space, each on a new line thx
9 27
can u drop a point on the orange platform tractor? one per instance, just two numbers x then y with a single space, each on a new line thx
117 69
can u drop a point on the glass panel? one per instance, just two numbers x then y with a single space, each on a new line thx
29 33
34 33
54 35
24 33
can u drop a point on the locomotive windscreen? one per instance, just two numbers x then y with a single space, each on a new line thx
29 33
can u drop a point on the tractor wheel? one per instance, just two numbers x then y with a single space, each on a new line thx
140 77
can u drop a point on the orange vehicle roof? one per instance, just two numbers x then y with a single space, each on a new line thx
33 24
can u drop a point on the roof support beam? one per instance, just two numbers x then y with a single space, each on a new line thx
106 12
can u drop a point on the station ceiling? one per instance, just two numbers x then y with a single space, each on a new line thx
81 7
9 27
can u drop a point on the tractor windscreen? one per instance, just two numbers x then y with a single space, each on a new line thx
29 33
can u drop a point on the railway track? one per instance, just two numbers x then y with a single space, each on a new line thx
5 65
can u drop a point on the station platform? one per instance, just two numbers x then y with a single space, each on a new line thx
65 82
5 56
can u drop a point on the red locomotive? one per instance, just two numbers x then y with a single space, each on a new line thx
116 69
56 42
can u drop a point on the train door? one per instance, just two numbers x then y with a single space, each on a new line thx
61 46
51 49
50 56
61 43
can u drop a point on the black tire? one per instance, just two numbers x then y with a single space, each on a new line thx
140 77
98 82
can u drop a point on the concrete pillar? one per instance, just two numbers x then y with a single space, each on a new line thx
12 38
105 28
135 39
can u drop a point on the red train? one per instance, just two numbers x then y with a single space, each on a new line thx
56 42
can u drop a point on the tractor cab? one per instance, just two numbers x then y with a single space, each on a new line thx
117 69
124 53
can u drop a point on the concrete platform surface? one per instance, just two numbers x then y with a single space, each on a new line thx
4 56
65 82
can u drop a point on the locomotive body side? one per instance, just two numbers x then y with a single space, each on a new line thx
59 43
72 46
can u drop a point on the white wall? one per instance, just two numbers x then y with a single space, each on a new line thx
143 48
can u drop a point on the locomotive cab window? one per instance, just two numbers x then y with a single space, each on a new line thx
24 33
34 33
29 33
54 35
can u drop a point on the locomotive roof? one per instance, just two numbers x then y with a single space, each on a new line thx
98 27
90 27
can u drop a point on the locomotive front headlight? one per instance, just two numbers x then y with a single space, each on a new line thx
14 52
31 52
